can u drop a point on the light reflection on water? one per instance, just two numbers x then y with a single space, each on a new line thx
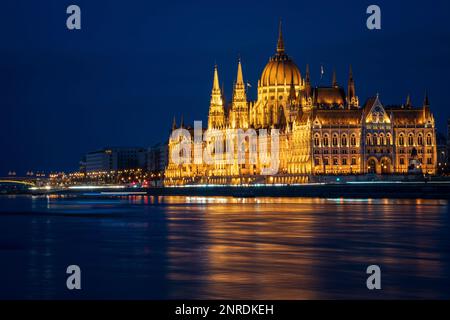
223 247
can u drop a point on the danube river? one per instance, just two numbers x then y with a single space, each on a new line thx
222 247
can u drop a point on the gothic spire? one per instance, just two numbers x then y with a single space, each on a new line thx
408 101
240 77
307 83
426 101
174 123
280 44
334 81
216 86
216 117
182 122
351 91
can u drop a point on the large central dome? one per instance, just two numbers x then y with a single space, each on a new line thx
280 70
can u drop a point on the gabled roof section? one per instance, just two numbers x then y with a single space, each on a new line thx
375 112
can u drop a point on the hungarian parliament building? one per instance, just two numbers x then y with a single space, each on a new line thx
322 131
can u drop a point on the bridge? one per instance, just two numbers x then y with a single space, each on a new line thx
27 181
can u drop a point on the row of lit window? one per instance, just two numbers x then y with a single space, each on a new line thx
371 140
344 161
326 161
335 151
410 139
334 140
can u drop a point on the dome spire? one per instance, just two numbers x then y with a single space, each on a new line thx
280 44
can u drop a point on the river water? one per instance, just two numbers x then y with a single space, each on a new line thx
217 247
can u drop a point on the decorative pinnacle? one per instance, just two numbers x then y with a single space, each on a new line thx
280 44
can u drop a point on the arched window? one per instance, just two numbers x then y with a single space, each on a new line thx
429 139
353 140
420 140
325 140
344 140
410 139
369 139
388 139
401 139
375 139
335 140
382 140
316 140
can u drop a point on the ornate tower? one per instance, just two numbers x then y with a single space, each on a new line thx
216 116
239 116
352 99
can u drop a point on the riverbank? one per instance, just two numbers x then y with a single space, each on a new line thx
354 189
407 190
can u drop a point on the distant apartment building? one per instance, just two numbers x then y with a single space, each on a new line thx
115 158
158 158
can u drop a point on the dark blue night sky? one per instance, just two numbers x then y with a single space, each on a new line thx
136 64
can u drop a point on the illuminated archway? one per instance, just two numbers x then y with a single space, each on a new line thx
386 165
372 165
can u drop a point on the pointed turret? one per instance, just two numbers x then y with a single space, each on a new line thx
408 102
216 86
240 77
307 100
334 83
239 110
426 101
352 99
174 123
280 43
307 83
426 106
182 122
216 118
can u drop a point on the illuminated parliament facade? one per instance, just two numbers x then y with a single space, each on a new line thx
322 130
